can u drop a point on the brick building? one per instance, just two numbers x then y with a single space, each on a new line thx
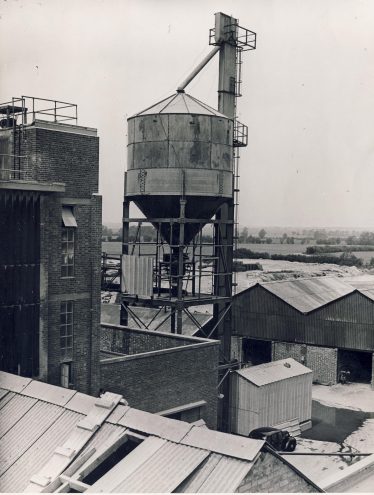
50 231
168 374
325 323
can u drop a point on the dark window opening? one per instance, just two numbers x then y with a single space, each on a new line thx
357 363
111 461
256 351
67 252
66 329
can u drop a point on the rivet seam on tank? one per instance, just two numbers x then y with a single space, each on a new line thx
141 179
220 182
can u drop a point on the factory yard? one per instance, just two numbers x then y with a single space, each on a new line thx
349 418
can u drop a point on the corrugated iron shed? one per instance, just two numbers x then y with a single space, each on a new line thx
306 295
274 371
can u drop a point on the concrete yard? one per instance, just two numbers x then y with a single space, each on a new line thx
347 401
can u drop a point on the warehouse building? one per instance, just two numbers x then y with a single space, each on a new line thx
325 323
79 444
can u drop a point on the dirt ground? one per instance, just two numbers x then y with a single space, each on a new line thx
354 397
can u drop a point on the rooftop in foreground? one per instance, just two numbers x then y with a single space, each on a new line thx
55 439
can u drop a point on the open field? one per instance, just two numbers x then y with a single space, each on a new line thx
276 248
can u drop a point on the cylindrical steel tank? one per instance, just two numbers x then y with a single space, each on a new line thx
178 148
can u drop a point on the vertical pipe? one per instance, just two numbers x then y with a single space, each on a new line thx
180 262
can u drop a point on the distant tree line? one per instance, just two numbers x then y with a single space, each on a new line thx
346 259
365 238
337 249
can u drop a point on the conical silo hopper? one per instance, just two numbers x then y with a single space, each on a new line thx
179 148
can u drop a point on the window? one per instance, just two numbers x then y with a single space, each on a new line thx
66 375
67 252
69 224
66 327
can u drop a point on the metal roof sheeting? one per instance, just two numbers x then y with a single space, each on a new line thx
26 431
106 432
165 470
49 393
180 103
13 411
306 295
6 398
226 476
3 393
368 293
41 440
167 428
111 480
274 371
81 403
13 383
117 414
17 477
193 483
223 443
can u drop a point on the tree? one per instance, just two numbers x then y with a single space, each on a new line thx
244 235
262 234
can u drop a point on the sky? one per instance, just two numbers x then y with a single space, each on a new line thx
308 91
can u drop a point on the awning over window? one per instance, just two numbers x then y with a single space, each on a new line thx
68 218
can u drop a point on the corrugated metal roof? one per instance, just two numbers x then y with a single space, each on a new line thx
49 393
106 432
111 480
17 477
13 383
274 371
81 403
223 443
197 478
149 423
117 414
26 431
226 476
165 470
180 103
364 281
3 393
368 293
309 294
13 411
6 398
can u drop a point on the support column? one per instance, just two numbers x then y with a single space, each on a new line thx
125 246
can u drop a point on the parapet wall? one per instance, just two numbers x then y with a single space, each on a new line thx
162 372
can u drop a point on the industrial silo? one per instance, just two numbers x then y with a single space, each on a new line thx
179 148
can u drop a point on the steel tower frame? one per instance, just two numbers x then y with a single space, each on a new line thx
229 40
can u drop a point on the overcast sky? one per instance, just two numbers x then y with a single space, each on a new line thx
308 90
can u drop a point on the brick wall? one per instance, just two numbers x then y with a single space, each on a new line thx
71 158
68 157
132 341
323 361
271 475
168 378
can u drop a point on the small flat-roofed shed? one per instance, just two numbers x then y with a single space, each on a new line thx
271 394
